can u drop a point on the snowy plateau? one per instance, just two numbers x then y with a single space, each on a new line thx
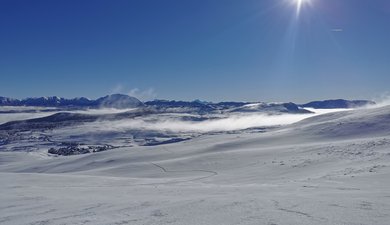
117 160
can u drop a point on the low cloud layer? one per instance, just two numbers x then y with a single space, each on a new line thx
234 122
171 123
175 125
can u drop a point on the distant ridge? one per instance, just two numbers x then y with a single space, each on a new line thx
110 101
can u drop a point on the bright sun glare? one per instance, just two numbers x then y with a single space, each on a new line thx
299 4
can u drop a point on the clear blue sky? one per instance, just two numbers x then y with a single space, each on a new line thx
200 49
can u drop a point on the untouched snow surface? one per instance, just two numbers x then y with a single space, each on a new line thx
328 169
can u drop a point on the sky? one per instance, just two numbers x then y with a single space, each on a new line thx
214 50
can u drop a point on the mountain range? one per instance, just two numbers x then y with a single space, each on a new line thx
121 101
110 101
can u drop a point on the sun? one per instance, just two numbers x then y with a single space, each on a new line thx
300 3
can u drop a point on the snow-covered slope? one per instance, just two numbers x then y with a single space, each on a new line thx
327 169
348 124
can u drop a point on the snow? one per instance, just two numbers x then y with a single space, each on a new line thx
328 169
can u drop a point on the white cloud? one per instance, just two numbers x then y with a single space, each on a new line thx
147 94
142 94
117 89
